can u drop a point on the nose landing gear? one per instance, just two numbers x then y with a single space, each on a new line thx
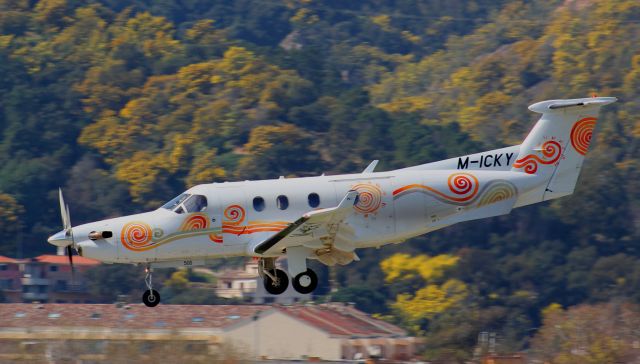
150 297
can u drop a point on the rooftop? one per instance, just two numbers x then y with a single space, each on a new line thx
336 319
4 259
52 259
62 259
138 316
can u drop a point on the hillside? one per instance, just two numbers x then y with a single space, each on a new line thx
126 104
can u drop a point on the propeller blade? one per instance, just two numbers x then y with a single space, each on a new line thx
68 217
73 269
63 210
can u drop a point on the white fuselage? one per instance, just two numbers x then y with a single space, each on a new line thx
393 206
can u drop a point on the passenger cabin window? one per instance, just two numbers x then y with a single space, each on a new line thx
258 203
187 203
282 202
314 200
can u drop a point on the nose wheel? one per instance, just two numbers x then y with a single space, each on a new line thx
150 297
305 282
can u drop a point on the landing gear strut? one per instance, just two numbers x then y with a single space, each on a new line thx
275 280
304 279
151 297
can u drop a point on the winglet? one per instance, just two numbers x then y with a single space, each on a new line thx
371 167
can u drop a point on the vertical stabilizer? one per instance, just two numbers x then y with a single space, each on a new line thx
556 146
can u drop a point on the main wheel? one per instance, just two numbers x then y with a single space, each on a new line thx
151 298
279 285
305 282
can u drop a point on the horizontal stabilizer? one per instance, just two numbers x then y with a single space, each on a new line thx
550 105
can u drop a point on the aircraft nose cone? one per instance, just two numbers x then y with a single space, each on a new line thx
61 239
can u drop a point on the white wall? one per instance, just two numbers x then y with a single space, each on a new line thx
280 336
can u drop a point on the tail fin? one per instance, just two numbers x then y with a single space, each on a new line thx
556 146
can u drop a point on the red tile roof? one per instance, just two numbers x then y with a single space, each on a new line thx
334 319
135 316
4 259
63 259
341 320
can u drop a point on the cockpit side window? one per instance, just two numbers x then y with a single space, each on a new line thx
175 202
196 203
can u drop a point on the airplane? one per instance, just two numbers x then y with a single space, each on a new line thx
329 217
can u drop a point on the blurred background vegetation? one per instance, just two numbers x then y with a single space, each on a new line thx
127 103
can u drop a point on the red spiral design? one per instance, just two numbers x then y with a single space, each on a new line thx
464 184
551 151
136 236
234 215
369 198
195 222
461 184
581 134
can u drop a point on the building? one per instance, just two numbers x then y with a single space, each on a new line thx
332 331
98 333
10 275
246 284
46 278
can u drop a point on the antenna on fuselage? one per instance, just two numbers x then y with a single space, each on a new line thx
371 167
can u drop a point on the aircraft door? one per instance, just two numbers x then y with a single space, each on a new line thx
192 230
233 218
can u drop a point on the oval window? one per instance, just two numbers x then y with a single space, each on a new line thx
258 203
314 200
282 202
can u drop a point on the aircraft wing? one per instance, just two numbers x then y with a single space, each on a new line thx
310 227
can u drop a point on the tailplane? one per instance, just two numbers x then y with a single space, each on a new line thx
556 146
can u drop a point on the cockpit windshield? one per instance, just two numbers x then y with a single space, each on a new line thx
195 203
187 203
176 201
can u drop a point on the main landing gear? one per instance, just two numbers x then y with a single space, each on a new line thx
305 282
276 280
150 297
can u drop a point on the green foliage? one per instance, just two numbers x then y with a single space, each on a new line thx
107 282
363 297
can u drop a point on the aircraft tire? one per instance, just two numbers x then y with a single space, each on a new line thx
283 279
151 298
305 282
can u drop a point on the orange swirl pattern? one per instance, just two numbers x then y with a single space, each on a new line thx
255 227
551 152
498 191
581 134
234 215
195 222
464 185
200 221
136 236
369 198
216 238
